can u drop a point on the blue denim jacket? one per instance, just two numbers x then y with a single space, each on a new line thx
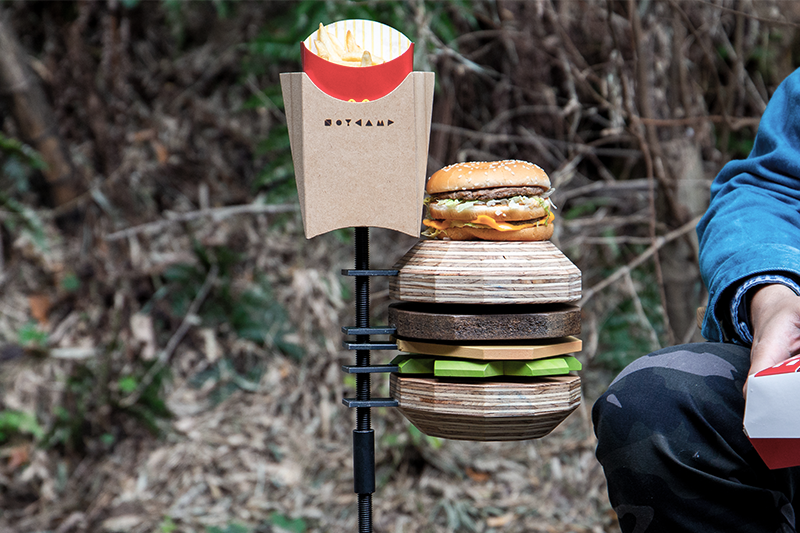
752 225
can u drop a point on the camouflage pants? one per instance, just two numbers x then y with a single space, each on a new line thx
675 457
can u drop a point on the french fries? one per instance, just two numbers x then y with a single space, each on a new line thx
366 59
352 50
350 55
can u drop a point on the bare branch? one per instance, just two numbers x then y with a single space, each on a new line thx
217 213
189 320
644 256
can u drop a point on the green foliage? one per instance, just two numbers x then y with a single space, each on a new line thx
278 44
30 336
408 448
293 525
150 407
740 143
92 408
460 515
622 335
167 525
279 40
127 384
344 235
18 423
253 314
583 209
70 282
230 528
413 437
66 429
175 11
764 57
18 163
418 438
276 179
226 380
19 217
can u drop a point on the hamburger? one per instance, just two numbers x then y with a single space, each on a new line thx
493 201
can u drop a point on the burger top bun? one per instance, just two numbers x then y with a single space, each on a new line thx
487 174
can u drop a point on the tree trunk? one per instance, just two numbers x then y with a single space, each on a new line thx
34 116
679 259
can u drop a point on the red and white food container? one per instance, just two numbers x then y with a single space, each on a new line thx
360 135
361 84
772 413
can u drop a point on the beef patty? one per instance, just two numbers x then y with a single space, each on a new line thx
494 193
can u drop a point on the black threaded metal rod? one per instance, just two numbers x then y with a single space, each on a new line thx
363 436
362 321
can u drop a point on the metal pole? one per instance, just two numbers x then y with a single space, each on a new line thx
363 435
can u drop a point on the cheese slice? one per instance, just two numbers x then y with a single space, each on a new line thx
487 221
499 226
436 224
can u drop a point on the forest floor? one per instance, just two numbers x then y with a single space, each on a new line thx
253 461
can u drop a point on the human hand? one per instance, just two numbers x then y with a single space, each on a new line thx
775 317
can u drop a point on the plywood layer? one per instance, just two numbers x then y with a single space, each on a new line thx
496 410
453 322
492 429
483 272
505 352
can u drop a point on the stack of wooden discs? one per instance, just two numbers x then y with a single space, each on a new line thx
487 328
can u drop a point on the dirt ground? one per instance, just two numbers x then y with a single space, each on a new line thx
254 462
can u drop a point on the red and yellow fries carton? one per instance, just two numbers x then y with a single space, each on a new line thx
771 415
359 135
393 49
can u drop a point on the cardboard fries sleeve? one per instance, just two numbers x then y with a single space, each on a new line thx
359 135
771 415
359 163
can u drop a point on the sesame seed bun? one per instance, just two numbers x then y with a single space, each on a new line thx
487 174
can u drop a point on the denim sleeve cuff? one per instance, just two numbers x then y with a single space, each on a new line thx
740 308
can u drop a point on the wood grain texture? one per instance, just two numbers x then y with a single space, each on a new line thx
485 272
454 322
496 410
504 352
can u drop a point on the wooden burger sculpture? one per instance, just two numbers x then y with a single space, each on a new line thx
484 319
486 315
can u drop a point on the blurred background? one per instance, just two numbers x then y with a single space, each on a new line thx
169 340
